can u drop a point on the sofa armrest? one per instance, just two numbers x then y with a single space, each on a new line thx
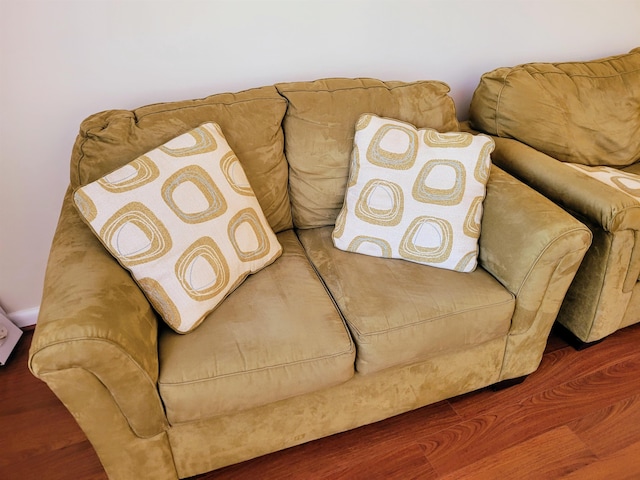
575 191
524 239
93 317
534 248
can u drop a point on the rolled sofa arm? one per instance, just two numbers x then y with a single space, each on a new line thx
575 191
94 318
534 248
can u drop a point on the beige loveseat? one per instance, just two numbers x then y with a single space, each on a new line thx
572 131
322 340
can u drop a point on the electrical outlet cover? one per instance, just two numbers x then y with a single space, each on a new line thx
8 343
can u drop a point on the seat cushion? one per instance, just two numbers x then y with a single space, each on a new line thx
276 336
320 125
402 312
251 122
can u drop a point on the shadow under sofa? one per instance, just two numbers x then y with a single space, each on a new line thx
320 341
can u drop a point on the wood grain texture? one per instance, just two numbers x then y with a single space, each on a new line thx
612 428
502 426
620 465
533 459
576 417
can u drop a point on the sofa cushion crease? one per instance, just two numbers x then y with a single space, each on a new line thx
278 335
421 316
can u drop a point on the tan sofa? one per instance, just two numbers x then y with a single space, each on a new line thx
572 131
322 340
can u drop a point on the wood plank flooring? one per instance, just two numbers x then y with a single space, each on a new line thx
576 418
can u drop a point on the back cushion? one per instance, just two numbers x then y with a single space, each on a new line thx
578 112
320 125
251 121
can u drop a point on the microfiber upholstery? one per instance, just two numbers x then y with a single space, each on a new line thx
571 130
279 335
429 311
321 340
320 125
251 122
578 112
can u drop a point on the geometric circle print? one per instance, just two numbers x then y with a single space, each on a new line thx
449 139
193 196
161 301
133 175
393 146
625 182
85 205
355 166
416 195
371 246
196 142
428 239
483 167
466 261
380 203
233 171
341 222
202 269
247 236
363 122
436 174
471 225
184 220
136 234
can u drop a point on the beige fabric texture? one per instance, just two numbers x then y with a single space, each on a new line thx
597 300
320 126
414 194
85 325
278 335
586 115
429 311
102 349
251 121
184 221
578 112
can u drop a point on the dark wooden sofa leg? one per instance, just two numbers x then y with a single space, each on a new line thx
572 340
496 387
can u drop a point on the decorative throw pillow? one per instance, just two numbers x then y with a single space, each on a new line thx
625 182
414 194
184 221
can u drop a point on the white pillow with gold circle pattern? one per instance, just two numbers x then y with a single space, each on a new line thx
184 221
625 182
414 194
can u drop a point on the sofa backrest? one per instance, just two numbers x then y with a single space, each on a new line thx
319 129
312 122
579 112
250 120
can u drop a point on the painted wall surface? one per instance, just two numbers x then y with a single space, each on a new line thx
62 60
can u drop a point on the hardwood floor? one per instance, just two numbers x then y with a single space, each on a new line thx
576 417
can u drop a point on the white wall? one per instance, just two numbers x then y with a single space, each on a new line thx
62 60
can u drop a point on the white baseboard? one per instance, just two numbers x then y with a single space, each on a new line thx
24 318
